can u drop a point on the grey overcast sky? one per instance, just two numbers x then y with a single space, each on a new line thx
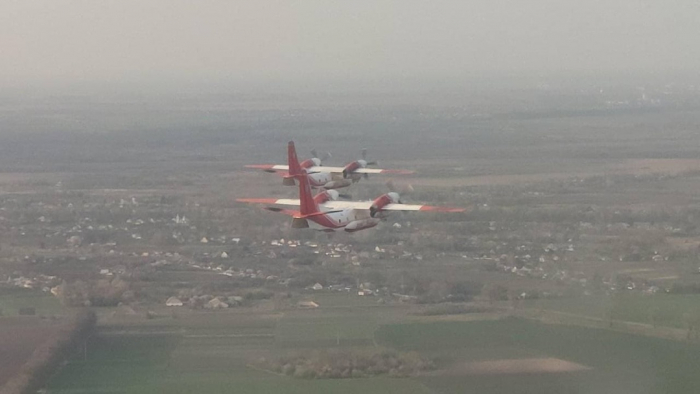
47 41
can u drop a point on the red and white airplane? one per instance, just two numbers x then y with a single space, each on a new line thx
322 176
324 212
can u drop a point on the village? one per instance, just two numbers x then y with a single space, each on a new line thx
88 249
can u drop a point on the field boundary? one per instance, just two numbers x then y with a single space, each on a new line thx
564 318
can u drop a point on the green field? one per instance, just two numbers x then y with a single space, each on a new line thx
211 352
147 364
620 363
661 309
44 305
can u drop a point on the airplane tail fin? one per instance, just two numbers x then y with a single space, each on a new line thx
294 167
307 204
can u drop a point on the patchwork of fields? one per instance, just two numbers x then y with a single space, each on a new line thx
207 352
674 311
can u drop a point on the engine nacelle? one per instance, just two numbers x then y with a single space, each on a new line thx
308 163
351 167
338 183
319 179
382 201
362 224
325 196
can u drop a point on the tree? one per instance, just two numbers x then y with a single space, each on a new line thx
464 291
495 292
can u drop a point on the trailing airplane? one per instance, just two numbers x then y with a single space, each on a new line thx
322 176
325 212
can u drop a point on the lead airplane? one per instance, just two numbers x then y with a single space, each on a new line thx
323 176
324 212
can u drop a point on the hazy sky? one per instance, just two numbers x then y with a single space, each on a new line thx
262 40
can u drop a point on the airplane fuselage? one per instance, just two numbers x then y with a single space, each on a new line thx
348 220
324 180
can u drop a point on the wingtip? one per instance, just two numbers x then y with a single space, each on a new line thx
260 166
398 172
442 209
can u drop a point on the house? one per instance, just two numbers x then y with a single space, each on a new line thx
173 301
317 286
307 304
215 303
235 300
224 255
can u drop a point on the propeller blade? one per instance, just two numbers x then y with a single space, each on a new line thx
404 190
314 153
326 156
364 153
345 196
372 163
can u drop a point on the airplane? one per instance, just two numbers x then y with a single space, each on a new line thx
322 176
324 212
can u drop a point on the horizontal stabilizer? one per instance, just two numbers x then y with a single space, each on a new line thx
300 223
289 212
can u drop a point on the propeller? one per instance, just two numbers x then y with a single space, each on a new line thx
364 157
363 152
325 156
341 196
402 191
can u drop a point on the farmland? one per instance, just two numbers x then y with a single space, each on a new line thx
193 358
665 310
580 216
613 360
212 352
44 305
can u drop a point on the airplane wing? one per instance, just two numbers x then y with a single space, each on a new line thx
275 201
413 207
339 170
269 167
332 170
329 205
360 205
270 201
365 205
